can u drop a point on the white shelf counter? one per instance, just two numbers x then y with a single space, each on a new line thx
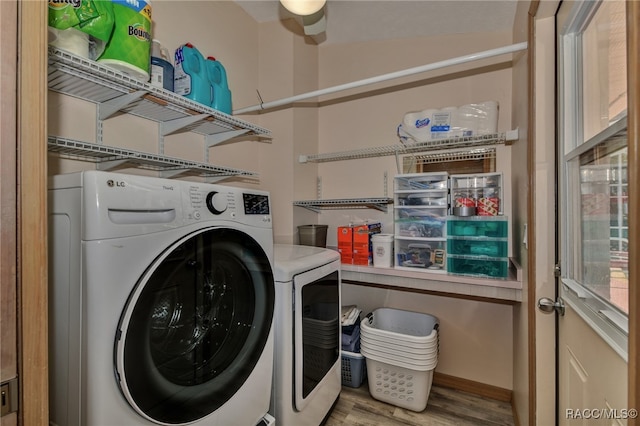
507 291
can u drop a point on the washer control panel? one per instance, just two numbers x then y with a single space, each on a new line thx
210 200
216 202
255 203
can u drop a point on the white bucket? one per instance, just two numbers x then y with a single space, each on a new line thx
382 250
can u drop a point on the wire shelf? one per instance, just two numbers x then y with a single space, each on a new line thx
88 80
345 203
450 156
414 148
108 158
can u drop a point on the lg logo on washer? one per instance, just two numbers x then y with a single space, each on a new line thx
121 184
112 183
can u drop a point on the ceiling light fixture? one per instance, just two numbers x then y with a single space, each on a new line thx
303 7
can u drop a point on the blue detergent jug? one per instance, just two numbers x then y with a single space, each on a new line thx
190 76
221 95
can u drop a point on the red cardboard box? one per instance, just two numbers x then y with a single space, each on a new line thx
362 246
345 244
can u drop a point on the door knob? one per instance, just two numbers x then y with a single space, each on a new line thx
548 306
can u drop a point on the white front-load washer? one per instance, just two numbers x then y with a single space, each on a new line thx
307 365
161 302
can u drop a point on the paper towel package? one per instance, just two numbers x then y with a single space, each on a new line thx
129 48
449 122
82 27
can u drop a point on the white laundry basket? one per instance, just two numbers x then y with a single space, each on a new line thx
401 350
403 387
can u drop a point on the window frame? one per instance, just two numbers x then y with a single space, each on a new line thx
607 321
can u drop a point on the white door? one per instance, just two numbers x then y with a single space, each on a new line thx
593 201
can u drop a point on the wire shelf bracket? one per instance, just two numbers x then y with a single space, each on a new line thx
108 108
218 138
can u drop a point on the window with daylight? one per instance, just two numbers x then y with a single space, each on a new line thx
593 161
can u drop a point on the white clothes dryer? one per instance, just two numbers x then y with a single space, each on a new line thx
161 302
307 369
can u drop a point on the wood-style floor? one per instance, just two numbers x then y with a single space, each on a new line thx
445 407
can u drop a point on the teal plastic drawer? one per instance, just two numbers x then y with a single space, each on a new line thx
478 226
478 266
478 246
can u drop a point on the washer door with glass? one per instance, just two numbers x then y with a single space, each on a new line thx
195 326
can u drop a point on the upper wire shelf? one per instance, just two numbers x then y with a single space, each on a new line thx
415 147
88 80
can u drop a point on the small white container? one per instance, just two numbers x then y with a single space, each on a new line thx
382 250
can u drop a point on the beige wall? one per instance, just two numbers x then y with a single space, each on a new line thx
477 337
288 66
369 116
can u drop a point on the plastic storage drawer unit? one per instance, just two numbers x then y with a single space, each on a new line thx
481 190
417 182
420 219
478 226
478 246
419 254
480 266
421 223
